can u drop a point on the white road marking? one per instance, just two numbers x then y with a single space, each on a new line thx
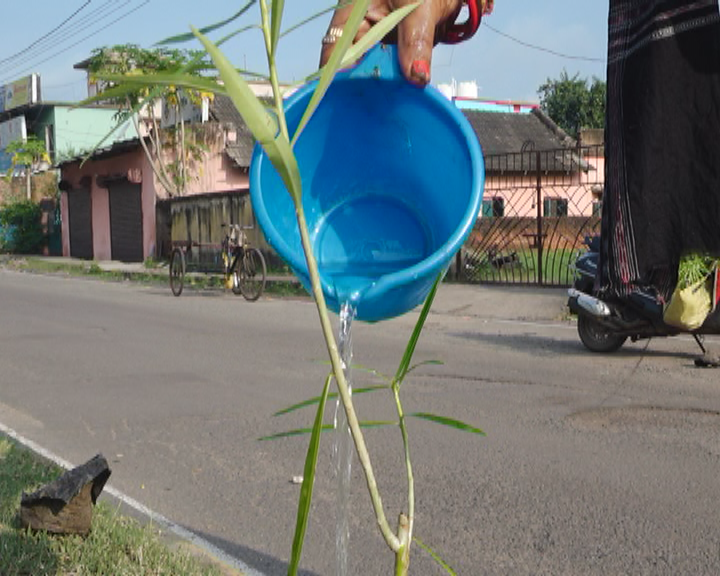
138 507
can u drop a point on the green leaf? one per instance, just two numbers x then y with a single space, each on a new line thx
315 400
325 428
236 33
154 93
372 37
263 126
412 343
315 16
435 557
275 23
377 423
308 482
355 19
376 34
424 363
133 81
207 29
451 422
295 432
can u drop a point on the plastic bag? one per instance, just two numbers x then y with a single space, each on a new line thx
689 306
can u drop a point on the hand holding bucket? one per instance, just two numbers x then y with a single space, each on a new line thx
392 179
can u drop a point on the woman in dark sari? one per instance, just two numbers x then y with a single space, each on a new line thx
662 142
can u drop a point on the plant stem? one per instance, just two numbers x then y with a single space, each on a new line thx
343 389
402 556
273 70
410 520
390 538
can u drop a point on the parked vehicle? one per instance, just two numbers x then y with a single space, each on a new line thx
605 324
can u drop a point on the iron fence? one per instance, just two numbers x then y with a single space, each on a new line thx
537 208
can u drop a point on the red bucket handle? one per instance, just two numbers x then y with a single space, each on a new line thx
459 32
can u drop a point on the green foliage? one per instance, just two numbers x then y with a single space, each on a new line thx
29 153
303 513
131 60
117 67
21 228
573 104
695 268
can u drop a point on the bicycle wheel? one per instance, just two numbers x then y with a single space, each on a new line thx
252 274
177 271
236 282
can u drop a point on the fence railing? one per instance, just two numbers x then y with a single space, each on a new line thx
537 208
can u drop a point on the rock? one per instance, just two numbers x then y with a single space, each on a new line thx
65 506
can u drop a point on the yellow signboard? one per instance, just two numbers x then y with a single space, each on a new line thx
19 93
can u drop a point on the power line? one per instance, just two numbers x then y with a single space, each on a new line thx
57 53
540 48
29 47
61 36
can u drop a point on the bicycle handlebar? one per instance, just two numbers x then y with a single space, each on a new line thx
238 226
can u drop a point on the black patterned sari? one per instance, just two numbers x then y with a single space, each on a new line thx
662 142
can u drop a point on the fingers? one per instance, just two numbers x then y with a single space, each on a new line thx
337 22
415 34
416 37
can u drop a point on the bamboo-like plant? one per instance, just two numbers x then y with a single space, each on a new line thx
270 130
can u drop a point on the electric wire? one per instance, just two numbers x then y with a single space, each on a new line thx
101 13
62 34
540 48
47 34
80 41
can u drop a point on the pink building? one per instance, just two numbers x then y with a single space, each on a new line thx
108 202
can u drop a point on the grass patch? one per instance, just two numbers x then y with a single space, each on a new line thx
116 544
524 268
156 274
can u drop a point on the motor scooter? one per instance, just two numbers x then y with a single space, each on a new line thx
605 324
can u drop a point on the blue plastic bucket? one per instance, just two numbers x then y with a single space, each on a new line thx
392 179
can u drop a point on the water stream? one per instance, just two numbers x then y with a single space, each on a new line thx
343 446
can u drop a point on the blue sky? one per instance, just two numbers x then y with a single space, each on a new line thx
508 61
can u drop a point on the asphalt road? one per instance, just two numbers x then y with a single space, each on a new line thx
591 464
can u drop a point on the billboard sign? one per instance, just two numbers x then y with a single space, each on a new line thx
14 129
20 93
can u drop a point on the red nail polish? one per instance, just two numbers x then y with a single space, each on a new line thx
421 70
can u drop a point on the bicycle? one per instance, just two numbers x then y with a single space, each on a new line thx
243 265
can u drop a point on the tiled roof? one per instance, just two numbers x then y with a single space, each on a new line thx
505 132
509 141
223 111
240 151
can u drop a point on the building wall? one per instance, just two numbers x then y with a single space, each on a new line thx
78 130
216 172
133 165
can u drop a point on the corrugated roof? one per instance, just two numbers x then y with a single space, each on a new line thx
117 147
509 142
506 132
223 111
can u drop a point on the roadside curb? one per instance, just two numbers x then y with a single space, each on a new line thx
133 271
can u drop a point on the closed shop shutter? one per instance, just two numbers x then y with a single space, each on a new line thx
126 226
80 224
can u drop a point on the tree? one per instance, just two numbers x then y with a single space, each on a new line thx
30 153
573 104
172 151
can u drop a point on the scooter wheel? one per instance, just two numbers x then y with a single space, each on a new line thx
596 337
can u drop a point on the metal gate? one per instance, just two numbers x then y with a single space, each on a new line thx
126 225
80 223
537 208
